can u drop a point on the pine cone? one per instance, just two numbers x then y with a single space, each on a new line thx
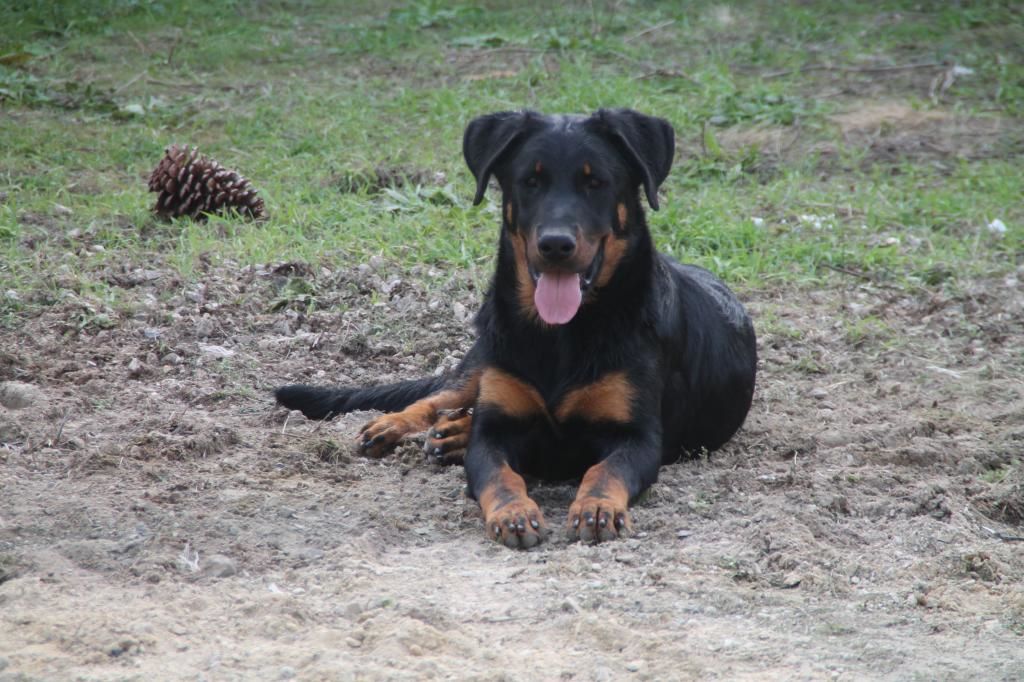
192 184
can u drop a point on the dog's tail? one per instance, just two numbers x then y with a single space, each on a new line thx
317 402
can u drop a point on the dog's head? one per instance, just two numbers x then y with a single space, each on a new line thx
570 194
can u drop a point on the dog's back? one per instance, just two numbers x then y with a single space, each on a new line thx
710 359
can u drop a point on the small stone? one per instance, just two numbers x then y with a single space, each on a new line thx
833 438
415 650
135 368
220 566
353 642
997 227
634 666
387 287
10 432
15 395
460 311
151 333
216 351
204 327
819 393
915 599
791 580
286 673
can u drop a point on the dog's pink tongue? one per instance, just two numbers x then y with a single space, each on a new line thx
557 297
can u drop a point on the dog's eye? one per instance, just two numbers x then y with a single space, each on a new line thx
594 183
531 181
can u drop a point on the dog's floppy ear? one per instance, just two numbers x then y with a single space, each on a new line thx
649 142
486 139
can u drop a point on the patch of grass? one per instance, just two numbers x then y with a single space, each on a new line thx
809 363
1000 473
868 329
304 97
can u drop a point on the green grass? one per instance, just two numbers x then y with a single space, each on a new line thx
300 95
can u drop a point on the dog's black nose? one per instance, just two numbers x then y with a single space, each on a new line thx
556 246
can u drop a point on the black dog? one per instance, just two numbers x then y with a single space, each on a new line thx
596 356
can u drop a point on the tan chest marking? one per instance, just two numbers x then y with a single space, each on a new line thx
608 399
512 396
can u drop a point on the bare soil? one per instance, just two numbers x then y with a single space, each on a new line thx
880 133
161 518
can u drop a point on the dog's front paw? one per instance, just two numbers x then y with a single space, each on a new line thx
379 436
518 524
447 439
597 519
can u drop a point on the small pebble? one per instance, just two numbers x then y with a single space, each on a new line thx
135 368
569 604
916 599
15 395
216 351
220 566
634 666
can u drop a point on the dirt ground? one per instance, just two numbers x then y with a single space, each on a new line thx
160 518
